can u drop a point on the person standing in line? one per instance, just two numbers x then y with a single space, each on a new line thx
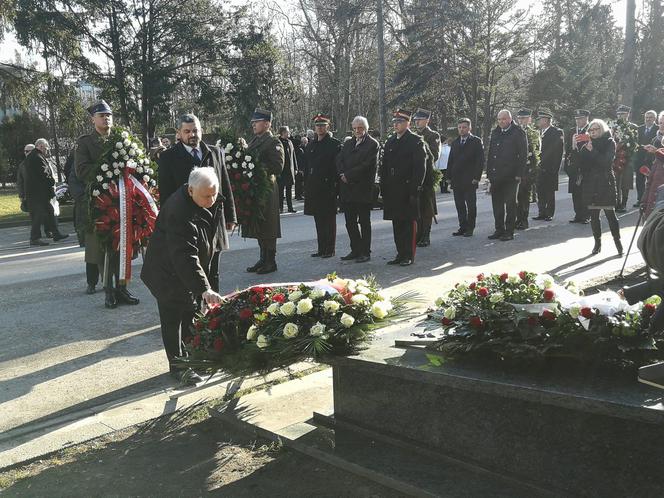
428 207
528 182
553 145
287 178
573 166
647 132
301 161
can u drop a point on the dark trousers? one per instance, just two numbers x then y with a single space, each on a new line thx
288 196
546 200
91 273
640 185
266 245
465 200
404 238
596 224
175 319
326 232
41 213
523 202
358 225
299 185
580 208
503 201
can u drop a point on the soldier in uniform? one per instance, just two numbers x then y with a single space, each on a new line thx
553 145
573 166
88 150
428 207
528 182
624 177
321 185
647 132
402 173
267 151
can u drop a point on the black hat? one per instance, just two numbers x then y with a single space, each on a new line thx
100 107
544 114
422 114
524 113
401 115
623 109
581 113
322 119
261 115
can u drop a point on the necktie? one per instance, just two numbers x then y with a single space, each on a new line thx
463 141
195 154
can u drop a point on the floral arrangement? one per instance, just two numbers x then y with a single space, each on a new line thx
627 142
267 327
528 318
121 190
249 182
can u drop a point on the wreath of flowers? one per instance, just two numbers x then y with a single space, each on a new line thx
627 142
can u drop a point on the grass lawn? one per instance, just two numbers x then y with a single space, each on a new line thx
10 207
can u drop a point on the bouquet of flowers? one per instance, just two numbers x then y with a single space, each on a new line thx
249 182
493 318
627 142
121 193
267 327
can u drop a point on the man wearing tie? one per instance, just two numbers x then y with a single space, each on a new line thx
647 132
550 159
175 165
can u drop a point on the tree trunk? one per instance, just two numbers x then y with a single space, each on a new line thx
52 116
380 44
118 66
629 54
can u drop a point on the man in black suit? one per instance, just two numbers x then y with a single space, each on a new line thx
551 156
464 170
647 133
573 166
175 165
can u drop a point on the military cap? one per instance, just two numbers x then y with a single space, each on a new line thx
321 119
261 115
401 115
623 109
422 114
100 107
524 113
544 114
581 113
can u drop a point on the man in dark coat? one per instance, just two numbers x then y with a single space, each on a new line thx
402 172
287 178
179 258
624 176
529 180
267 151
300 159
506 165
356 166
553 146
38 186
464 170
573 166
320 185
175 165
20 177
647 132
428 207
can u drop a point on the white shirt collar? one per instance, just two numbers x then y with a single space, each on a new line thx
545 130
188 148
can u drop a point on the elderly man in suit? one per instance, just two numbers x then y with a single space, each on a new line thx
647 132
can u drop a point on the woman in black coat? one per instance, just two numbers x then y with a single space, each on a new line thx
598 184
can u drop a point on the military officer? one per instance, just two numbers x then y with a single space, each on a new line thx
553 145
402 173
428 207
624 176
528 182
88 150
321 184
576 138
266 149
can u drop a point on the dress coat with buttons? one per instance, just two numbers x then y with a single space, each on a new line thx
321 182
358 164
402 172
508 155
38 181
551 156
599 182
287 177
428 207
572 159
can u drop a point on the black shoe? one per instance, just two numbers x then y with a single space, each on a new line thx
38 242
327 255
363 259
349 256
186 377
60 236
423 242
395 261
458 233
406 262
316 255
91 289
468 233
110 301
261 261
495 235
548 218
123 296
585 221
539 217
292 210
269 267
597 248
506 236
518 226
521 226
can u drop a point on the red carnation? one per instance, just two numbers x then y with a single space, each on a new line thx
483 292
480 277
644 170
503 277
237 176
447 321
258 290
650 308
523 275
218 344
532 321
476 322
214 323
472 286
548 315
244 186
586 312
196 341
279 298
199 326
548 295
246 314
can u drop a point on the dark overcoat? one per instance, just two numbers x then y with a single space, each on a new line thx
598 186
645 138
287 177
267 151
573 159
428 207
175 165
551 156
38 182
177 262
320 185
402 173
465 163
508 154
358 165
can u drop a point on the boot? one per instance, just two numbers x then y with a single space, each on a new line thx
122 295
598 246
259 263
619 246
110 301
270 264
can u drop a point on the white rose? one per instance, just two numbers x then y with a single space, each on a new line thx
95 193
575 311
496 297
513 279
146 178
450 313
287 309
304 306
132 152
238 155
339 282
378 310
109 174
359 299
290 330
153 182
273 309
317 293
244 165
228 148
234 165
250 174
251 166
104 167
100 178
115 155
126 142
104 186
124 134
294 296
122 152
149 171
139 169
116 172
317 330
252 333
361 281
118 145
347 320
146 161
331 306
229 159
363 289
134 145
247 158
262 341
